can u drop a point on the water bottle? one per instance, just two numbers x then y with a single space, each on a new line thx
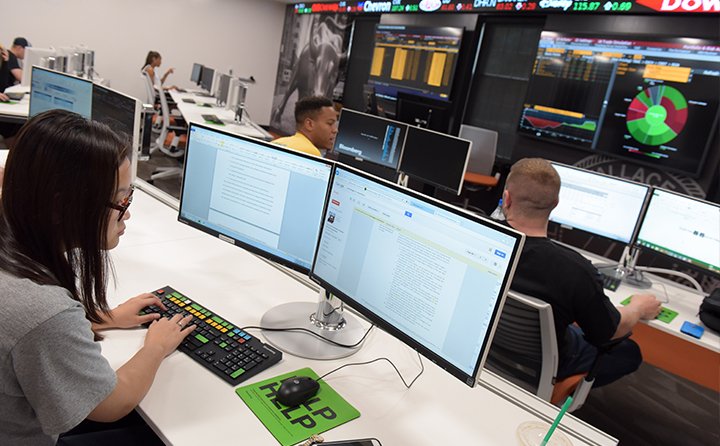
497 214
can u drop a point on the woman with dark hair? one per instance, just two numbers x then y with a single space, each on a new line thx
65 200
153 61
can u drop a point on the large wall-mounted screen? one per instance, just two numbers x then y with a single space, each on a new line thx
415 60
655 102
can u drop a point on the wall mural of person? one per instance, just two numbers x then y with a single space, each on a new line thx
313 55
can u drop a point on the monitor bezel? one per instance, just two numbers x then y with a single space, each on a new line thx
641 213
365 160
468 379
229 239
425 180
37 67
636 242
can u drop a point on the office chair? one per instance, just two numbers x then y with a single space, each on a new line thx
524 350
479 173
171 139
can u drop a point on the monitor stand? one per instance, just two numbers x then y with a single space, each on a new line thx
326 318
626 271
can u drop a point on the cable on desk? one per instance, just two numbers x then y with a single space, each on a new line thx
329 341
422 369
672 272
667 296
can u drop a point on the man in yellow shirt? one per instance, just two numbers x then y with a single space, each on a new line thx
316 121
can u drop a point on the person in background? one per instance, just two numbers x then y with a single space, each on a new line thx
569 282
153 61
18 47
10 71
56 227
316 124
7 79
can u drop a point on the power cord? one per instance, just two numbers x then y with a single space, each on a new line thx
667 296
305 330
672 272
422 369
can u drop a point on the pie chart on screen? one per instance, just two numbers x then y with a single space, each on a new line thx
657 115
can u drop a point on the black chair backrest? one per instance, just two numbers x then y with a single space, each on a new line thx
516 349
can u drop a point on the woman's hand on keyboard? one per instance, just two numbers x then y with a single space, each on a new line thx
167 334
126 314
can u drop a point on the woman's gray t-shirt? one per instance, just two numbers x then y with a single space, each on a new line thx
52 373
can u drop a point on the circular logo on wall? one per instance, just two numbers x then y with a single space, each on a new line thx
653 177
430 5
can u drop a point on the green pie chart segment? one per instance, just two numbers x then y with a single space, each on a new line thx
657 115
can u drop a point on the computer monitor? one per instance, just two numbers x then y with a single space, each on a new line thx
34 56
54 90
430 274
264 198
195 74
599 204
206 78
435 158
423 112
369 138
223 89
682 227
121 113
419 60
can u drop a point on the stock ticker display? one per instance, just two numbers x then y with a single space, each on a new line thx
546 6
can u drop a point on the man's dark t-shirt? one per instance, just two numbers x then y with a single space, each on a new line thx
571 285
6 77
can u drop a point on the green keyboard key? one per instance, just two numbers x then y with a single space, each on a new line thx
666 315
237 373
202 338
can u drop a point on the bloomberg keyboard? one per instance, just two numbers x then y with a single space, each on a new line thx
220 346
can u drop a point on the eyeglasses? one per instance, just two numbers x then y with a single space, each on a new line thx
124 204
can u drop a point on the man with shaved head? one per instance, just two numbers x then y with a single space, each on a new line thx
569 282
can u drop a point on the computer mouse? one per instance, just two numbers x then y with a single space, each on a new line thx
295 391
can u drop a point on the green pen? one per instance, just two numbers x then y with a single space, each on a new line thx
559 416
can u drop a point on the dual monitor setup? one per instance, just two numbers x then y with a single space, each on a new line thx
641 217
51 89
228 91
430 274
434 158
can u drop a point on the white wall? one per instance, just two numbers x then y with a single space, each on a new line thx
240 34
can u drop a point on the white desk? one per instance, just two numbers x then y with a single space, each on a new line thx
16 111
662 344
187 404
193 113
